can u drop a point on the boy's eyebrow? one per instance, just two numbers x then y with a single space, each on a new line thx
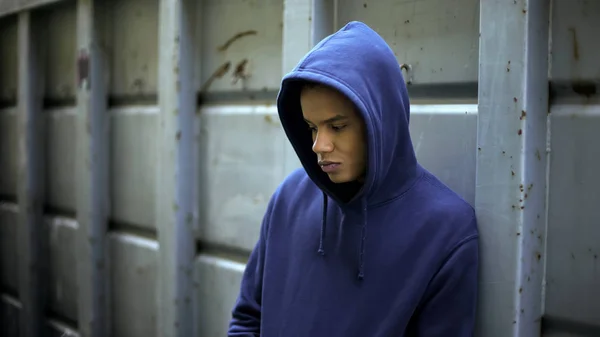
335 118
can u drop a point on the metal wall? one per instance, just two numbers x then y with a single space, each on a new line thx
158 146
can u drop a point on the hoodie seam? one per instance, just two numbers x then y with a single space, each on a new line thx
456 247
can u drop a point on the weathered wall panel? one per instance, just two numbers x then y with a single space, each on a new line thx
8 55
573 248
57 24
8 248
237 181
133 166
8 151
438 38
9 316
217 286
131 43
60 159
62 278
445 140
572 303
133 280
245 52
575 49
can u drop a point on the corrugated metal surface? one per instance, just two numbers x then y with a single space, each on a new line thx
239 153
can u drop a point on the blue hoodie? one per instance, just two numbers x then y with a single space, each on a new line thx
400 258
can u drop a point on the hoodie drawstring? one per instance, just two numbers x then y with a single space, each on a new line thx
363 235
323 225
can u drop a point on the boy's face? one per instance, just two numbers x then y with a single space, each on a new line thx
338 133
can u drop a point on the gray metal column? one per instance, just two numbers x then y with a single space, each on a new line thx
176 176
92 130
305 23
511 165
30 195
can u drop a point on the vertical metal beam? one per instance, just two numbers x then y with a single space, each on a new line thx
31 184
176 178
92 131
305 23
511 164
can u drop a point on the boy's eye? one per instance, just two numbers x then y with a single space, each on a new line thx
338 127
312 129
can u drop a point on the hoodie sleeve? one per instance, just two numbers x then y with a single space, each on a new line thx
451 299
245 321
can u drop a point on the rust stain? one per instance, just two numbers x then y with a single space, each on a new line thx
515 99
538 256
520 132
365 5
508 67
240 71
523 115
538 155
512 172
220 72
270 120
575 43
236 37
521 290
178 135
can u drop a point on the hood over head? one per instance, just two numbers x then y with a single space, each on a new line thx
357 62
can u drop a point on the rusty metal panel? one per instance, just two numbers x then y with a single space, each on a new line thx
176 171
8 149
244 54
9 268
511 166
133 272
92 132
131 41
438 38
133 165
61 159
8 55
